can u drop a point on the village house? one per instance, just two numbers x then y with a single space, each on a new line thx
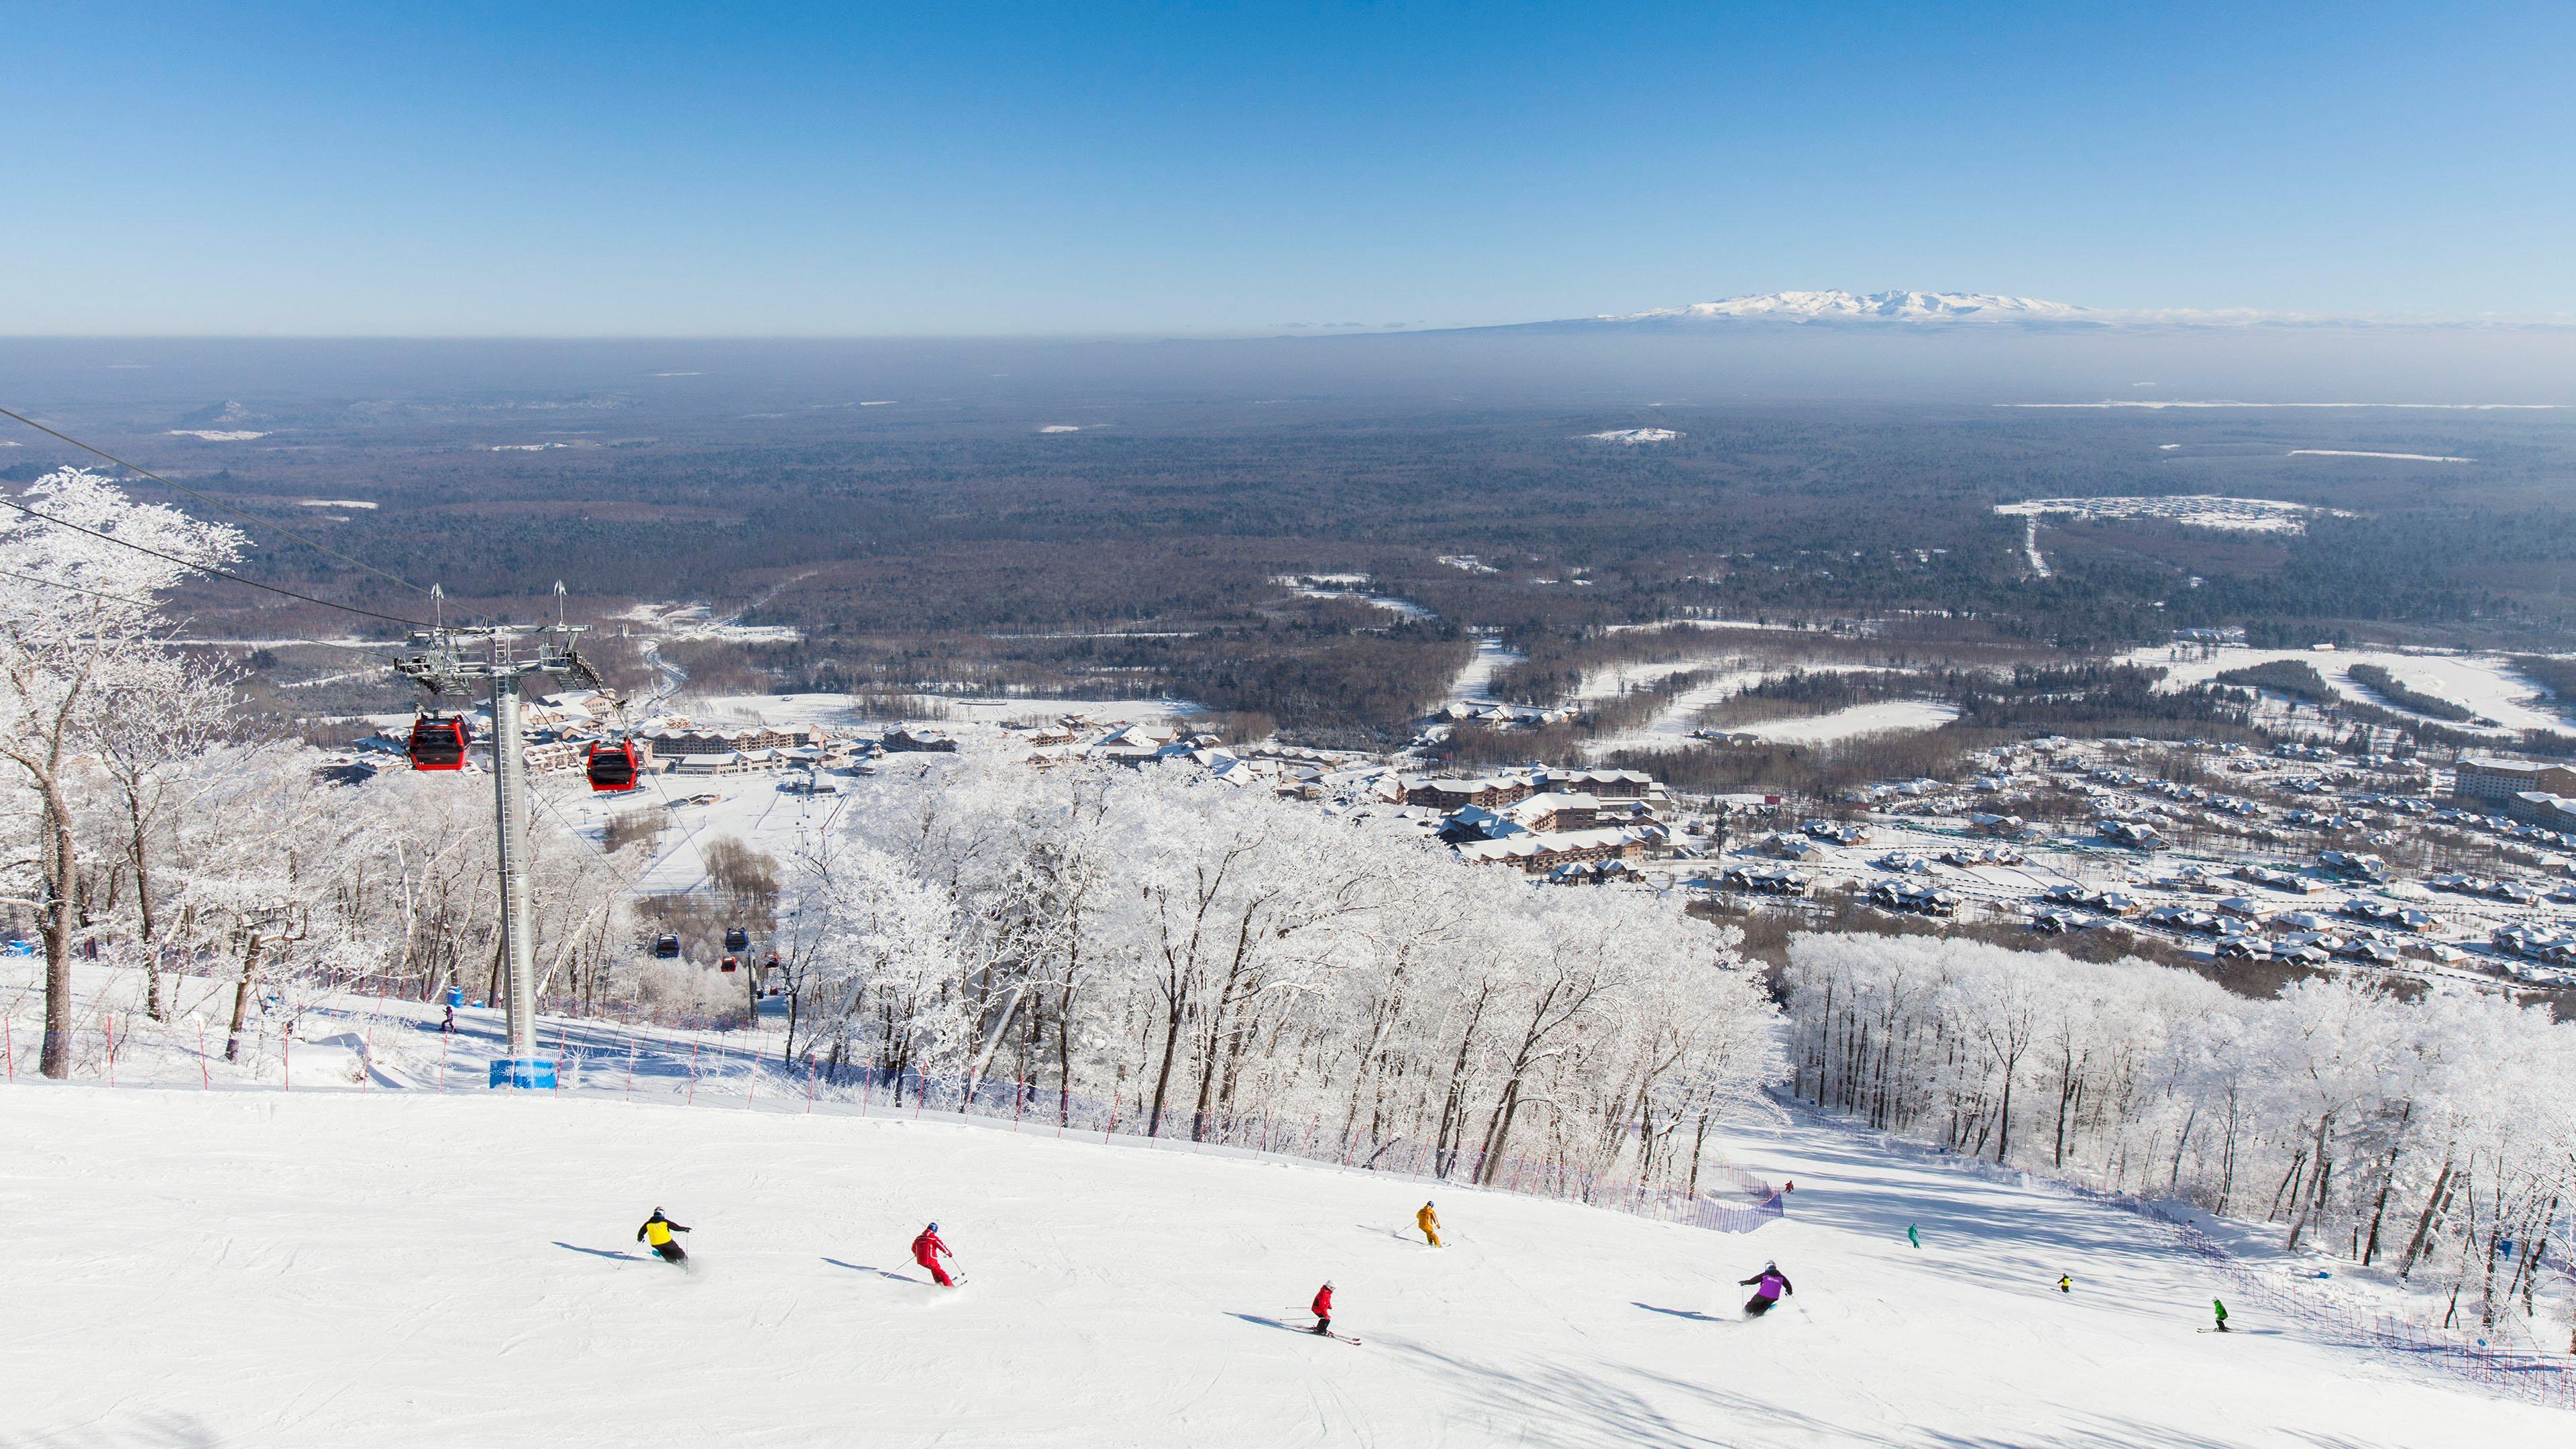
2493 782
717 740
1536 852
1486 793
1555 812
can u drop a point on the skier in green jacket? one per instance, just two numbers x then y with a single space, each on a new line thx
2221 1310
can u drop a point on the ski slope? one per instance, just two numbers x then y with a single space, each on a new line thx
393 1268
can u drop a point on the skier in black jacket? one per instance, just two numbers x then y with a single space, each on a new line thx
1768 1286
657 1231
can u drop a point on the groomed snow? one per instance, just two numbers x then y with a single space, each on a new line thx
1892 716
395 1269
2484 683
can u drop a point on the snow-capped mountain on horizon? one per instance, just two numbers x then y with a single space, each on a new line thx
1838 305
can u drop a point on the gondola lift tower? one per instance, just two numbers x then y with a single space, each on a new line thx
446 660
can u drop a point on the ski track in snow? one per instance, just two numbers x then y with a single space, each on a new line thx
330 1268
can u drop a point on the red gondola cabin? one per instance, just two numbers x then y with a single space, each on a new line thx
438 743
612 766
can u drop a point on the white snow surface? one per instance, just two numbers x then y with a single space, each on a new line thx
217 435
395 1269
1635 435
1889 716
1837 305
2192 510
2354 453
2485 683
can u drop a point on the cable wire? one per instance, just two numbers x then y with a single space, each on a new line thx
210 568
213 502
77 589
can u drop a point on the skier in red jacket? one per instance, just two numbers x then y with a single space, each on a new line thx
927 1249
1323 1309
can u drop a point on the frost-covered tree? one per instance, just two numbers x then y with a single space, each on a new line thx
2440 1129
83 650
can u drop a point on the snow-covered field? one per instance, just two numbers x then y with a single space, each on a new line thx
240 1268
2485 683
2192 510
1671 726
1892 716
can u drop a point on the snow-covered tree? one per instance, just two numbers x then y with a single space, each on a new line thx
83 649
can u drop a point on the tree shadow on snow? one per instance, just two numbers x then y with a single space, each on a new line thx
864 1268
1682 1313
620 1256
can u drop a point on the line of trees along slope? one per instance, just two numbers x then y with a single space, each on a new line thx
1212 959
2439 1131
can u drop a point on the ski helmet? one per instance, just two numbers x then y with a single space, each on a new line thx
934 1227
657 1212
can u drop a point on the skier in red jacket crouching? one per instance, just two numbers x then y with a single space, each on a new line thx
1323 1309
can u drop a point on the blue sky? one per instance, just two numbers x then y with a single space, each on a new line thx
1100 169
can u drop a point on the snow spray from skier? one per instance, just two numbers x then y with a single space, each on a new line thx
656 1233
1322 1308
1768 1286
927 1249
1429 1222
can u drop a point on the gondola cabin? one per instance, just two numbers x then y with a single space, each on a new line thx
612 766
437 743
737 939
666 946
730 964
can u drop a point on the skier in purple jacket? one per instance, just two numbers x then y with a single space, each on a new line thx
1767 1285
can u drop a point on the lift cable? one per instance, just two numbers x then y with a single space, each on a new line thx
210 568
214 502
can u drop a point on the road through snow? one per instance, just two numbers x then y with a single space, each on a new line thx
395 1269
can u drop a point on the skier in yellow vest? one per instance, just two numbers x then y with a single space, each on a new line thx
656 1234
1429 1222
